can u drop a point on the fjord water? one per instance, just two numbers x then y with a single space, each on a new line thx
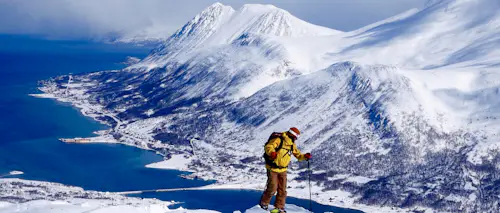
30 128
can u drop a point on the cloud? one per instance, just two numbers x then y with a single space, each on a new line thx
84 18
97 18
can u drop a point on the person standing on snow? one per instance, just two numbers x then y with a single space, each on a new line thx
278 151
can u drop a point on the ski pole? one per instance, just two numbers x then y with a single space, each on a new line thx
310 194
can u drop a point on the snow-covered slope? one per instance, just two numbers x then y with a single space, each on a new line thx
26 196
35 196
409 104
222 25
88 206
447 32
98 206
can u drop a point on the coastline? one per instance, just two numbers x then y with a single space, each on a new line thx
131 137
95 112
295 189
56 197
176 162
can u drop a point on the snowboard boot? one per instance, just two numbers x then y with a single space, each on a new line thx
263 206
278 210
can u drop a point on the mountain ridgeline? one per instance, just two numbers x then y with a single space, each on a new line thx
410 103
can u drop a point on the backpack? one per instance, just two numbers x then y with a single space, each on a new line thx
268 160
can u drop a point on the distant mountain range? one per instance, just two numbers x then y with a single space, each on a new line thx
410 103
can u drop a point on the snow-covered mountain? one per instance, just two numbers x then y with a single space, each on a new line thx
408 103
445 33
220 25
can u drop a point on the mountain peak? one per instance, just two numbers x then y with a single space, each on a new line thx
250 18
215 6
259 7
205 23
219 24
264 9
271 20
214 10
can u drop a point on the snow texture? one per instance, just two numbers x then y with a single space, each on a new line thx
25 196
176 162
401 113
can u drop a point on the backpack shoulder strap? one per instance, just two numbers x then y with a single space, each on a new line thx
281 143
276 135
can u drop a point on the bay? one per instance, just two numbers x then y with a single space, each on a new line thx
30 128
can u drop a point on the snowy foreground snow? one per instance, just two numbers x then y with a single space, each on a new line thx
23 196
399 114
88 206
98 206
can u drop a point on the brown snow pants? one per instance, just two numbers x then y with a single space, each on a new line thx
275 182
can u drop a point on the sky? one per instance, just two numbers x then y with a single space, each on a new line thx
97 18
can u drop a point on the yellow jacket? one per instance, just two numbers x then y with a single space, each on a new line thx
284 154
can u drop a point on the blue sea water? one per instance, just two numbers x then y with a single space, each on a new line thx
30 128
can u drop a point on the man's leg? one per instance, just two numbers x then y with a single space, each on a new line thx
281 196
271 187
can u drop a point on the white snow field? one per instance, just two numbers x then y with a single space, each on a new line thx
97 206
89 206
399 114
289 208
24 196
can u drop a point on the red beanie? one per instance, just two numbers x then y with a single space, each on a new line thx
294 131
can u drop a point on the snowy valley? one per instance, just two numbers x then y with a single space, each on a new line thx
398 114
